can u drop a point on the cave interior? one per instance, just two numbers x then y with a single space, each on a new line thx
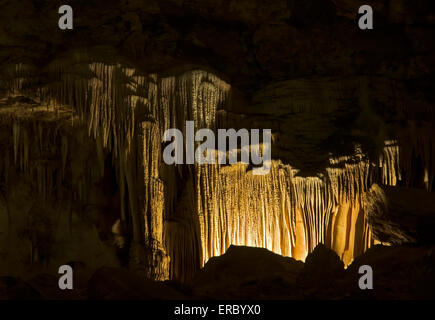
82 176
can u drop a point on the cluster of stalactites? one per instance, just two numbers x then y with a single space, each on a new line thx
281 211
33 148
19 78
109 98
409 161
417 157
389 162
289 214
127 113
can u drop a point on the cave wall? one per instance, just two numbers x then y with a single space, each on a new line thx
347 109
48 216
180 216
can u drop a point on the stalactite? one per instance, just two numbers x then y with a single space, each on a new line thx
32 148
16 137
417 154
236 207
409 160
389 161
126 112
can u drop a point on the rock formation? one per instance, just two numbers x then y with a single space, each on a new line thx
82 119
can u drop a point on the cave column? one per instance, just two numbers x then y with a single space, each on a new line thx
152 200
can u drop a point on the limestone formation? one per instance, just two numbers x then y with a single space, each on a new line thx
83 112
126 113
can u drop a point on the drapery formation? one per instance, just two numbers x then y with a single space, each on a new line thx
180 216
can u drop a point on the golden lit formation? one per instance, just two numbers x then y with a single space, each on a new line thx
126 114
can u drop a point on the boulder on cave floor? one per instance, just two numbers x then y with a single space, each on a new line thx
247 273
322 276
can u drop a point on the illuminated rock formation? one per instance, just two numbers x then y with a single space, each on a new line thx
181 216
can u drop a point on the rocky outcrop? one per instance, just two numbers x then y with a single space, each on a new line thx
323 272
399 272
400 215
244 272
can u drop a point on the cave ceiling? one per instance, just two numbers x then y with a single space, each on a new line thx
278 57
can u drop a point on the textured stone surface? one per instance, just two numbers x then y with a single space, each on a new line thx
277 52
301 68
402 215
399 272
241 271
323 268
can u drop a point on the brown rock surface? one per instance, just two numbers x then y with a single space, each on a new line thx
399 272
245 273
402 215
